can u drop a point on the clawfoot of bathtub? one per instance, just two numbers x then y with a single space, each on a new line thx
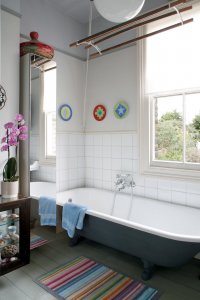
148 270
74 241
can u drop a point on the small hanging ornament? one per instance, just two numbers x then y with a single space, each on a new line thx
2 97
99 112
36 47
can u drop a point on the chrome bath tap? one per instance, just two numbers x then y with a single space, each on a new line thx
123 181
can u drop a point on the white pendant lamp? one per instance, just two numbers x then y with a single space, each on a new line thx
119 11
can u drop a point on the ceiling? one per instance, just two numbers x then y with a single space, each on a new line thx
76 9
79 10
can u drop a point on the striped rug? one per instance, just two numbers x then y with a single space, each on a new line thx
37 241
83 278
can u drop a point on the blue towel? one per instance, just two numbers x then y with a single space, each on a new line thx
73 217
47 211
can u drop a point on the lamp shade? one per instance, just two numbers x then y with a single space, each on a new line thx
118 11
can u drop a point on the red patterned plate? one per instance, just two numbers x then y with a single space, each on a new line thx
99 112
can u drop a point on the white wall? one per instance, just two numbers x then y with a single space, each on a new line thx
10 30
54 27
70 85
70 140
112 78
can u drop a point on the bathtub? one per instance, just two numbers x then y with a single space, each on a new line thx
42 188
159 233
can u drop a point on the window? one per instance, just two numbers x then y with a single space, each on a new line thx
48 137
170 99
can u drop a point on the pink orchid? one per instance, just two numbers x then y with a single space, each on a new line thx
4 147
12 142
15 131
23 129
22 122
8 125
19 117
3 140
23 136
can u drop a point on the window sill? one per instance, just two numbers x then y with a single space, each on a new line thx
169 172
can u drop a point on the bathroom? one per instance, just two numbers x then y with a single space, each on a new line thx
90 153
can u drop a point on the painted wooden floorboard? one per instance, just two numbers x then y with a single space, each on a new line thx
179 284
8 291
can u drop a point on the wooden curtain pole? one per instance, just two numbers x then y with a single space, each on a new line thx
128 23
96 54
139 24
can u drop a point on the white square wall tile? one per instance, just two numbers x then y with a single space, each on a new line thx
98 174
116 152
98 140
98 163
151 182
106 139
116 139
164 184
107 175
89 140
135 140
107 163
127 140
89 161
89 173
135 164
179 186
116 164
164 195
97 151
193 200
193 187
106 151
127 165
89 151
151 192
127 152
179 197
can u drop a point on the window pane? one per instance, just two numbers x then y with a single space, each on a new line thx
169 128
172 57
51 134
192 104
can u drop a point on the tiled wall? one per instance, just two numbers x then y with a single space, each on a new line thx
70 167
107 154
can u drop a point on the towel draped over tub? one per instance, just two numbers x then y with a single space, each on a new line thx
47 211
73 217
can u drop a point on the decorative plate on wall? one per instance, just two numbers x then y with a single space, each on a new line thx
99 112
121 110
65 112
2 97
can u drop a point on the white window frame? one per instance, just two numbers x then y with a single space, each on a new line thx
173 170
44 159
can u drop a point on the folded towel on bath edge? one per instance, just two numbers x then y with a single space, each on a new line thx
73 217
47 211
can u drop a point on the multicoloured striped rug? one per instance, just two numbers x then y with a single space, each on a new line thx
83 278
37 241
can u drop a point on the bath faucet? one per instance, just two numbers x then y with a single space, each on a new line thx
123 181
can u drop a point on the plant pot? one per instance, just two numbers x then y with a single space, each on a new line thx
9 189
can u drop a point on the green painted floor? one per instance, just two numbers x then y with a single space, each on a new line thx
174 284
